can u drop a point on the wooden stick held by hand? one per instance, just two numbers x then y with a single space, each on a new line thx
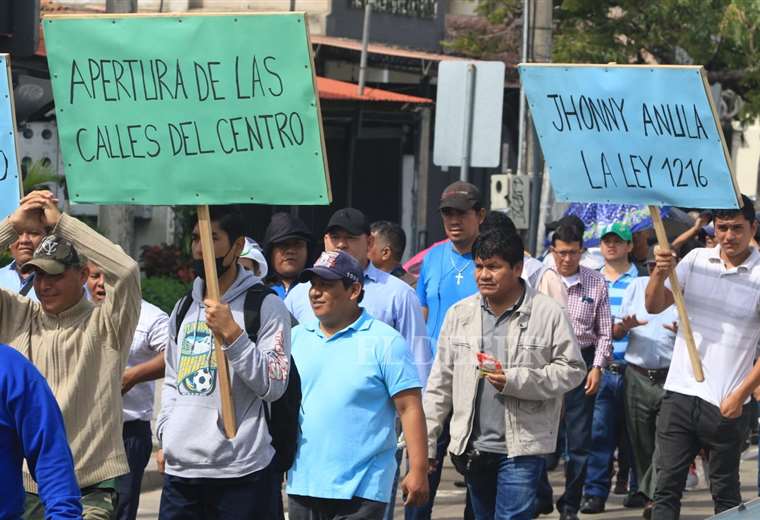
212 292
675 288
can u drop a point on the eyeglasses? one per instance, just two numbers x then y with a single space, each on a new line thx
566 254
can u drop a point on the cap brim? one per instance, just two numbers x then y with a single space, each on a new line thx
459 203
49 266
620 236
285 238
322 272
356 231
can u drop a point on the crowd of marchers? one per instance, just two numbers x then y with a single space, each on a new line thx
352 378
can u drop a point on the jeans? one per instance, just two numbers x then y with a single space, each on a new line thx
434 478
643 399
503 487
607 430
685 425
240 498
579 411
138 443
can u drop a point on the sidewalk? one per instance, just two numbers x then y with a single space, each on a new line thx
697 504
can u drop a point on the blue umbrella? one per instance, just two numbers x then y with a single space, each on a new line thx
597 216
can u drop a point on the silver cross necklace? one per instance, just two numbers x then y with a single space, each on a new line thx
459 277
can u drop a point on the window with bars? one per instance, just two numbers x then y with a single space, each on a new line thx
414 8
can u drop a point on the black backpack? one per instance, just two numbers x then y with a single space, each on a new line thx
283 422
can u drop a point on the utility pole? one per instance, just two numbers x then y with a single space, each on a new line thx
117 221
539 25
365 46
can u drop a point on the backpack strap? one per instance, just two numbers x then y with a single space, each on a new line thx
182 307
254 299
28 284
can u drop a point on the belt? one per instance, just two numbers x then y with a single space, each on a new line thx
655 375
616 368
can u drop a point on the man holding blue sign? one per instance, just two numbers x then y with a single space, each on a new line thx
713 414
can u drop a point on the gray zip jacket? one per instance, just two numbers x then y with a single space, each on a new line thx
543 363
189 426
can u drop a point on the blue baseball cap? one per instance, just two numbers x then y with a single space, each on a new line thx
334 265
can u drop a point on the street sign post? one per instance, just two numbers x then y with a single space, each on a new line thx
469 114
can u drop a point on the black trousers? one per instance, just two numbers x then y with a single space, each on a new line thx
138 443
311 508
685 425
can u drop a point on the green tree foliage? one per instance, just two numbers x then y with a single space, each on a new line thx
722 35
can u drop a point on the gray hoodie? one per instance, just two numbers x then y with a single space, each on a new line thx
189 426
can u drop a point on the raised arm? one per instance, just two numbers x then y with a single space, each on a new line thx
658 297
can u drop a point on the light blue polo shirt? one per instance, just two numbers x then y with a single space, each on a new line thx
348 437
445 278
387 299
11 280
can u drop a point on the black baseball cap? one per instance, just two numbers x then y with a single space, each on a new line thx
350 219
334 265
54 255
460 195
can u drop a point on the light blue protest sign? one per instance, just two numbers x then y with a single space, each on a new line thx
10 191
630 134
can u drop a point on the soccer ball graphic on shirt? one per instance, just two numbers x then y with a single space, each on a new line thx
202 381
196 372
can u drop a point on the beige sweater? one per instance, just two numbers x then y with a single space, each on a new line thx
81 352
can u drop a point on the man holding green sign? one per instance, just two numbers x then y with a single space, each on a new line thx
198 120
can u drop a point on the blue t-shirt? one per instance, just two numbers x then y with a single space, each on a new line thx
445 278
31 428
616 291
348 438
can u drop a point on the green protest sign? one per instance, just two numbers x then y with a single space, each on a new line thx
207 109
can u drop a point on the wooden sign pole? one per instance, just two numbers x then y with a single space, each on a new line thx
212 292
675 288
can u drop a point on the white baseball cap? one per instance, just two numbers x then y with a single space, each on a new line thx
252 250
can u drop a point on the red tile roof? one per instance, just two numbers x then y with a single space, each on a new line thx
342 90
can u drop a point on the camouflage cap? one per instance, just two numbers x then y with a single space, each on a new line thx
54 255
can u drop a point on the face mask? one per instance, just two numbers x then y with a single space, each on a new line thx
220 268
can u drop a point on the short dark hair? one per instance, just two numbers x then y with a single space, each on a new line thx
393 234
229 219
495 242
747 209
568 233
347 284
498 220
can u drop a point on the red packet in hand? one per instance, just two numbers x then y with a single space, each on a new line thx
488 364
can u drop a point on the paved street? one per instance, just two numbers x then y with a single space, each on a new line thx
450 502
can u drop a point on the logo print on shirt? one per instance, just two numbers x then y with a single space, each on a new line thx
279 363
196 371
